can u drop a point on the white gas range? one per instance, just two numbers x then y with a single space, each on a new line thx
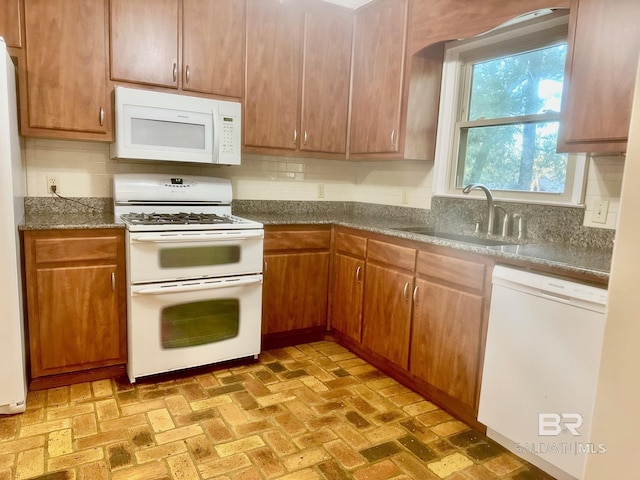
194 273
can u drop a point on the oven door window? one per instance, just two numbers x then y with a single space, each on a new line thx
180 257
199 323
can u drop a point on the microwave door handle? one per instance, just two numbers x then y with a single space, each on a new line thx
196 286
217 132
197 238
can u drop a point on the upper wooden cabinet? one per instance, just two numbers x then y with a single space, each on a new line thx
10 28
144 41
325 81
272 91
297 80
378 67
604 43
213 46
147 39
66 92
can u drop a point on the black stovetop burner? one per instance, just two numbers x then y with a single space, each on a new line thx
175 218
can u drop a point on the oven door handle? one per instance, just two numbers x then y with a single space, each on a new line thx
195 286
198 237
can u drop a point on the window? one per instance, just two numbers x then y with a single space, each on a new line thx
499 115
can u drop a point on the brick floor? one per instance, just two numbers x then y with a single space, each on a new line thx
314 411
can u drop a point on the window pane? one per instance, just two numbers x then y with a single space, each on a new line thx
199 323
199 256
523 84
520 157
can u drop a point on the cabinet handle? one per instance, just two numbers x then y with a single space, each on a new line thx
113 281
101 116
265 268
415 295
295 135
393 137
405 292
187 74
175 71
305 137
358 270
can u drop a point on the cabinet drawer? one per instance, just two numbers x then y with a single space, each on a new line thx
297 240
450 269
401 257
351 244
75 249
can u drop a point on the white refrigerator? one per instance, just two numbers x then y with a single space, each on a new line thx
13 384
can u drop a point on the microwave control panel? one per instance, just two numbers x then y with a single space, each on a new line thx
229 139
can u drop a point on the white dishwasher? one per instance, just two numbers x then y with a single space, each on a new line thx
540 373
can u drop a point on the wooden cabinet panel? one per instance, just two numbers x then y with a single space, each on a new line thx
213 46
272 90
379 44
10 28
77 319
604 42
446 339
76 301
348 293
450 269
144 41
325 89
66 82
295 291
386 322
297 239
75 249
351 244
400 257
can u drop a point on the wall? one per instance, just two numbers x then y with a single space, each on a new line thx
615 420
84 169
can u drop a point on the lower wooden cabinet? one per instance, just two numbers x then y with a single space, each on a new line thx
296 282
387 309
347 294
76 303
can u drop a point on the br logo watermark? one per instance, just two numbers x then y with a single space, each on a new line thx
554 424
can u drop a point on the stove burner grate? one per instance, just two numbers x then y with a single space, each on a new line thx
175 218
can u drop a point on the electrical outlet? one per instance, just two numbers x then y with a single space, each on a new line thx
405 197
600 211
52 181
321 190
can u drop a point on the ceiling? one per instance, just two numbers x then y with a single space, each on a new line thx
349 3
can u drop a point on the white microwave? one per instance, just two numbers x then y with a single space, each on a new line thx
153 125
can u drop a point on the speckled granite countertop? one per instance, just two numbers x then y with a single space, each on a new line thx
65 221
587 262
590 262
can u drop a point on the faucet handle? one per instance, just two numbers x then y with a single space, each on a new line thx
519 227
506 225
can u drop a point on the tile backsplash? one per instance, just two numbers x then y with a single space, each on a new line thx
84 169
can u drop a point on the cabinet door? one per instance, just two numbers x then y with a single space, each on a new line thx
386 325
378 64
325 90
445 340
10 23
213 39
272 91
144 41
78 323
295 291
348 290
66 45
604 41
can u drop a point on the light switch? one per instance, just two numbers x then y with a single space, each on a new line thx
600 211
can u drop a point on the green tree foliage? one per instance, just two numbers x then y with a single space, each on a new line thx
518 156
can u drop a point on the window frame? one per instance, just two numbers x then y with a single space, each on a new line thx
526 33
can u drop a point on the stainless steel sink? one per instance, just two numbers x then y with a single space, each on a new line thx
430 231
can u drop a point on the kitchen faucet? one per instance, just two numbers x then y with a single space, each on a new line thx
490 206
